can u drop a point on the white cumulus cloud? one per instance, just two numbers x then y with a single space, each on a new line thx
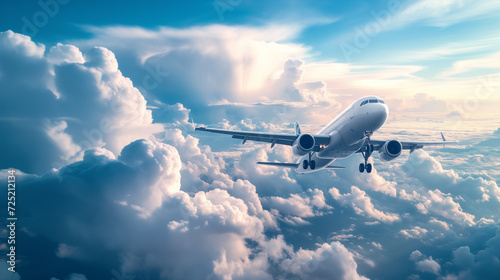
362 205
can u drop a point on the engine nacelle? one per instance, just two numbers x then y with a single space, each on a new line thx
390 150
303 144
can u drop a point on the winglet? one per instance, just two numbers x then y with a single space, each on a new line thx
444 139
297 128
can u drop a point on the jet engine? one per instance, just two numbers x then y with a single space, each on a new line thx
303 144
390 150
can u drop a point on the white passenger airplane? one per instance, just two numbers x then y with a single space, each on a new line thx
347 134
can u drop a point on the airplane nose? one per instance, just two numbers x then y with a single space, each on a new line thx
384 112
379 115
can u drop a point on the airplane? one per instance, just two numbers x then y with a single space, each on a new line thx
349 133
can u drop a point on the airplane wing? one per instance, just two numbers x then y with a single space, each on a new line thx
273 138
281 164
411 145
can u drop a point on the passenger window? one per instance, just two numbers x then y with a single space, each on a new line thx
373 101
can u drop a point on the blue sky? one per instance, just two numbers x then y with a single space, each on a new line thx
99 101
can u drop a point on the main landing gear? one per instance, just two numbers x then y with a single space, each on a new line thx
366 151
309 163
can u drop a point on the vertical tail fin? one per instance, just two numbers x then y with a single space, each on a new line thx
192 124
442 136
297 128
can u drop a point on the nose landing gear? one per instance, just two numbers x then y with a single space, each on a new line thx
366 151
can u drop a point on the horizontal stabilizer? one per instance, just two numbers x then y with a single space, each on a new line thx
282 164
334 167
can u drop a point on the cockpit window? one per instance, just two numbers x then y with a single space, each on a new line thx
372 101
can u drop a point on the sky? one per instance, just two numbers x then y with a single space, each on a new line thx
99 101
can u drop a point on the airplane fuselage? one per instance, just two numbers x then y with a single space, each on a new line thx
347 131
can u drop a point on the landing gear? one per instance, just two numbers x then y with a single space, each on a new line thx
366 151
309 163
365 166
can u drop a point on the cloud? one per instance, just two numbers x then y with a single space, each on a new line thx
349 82
445 13
22 44
297 205
480 265
235 72
444 189
374 181
441 204
442 224
486 260
329 261
294 205
239 71
362 205
269 181
147 157
203 170
415 255
415 232
66 251
421 102
68 102
463 66
61 53
463 258
424 264
469 46
428 265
